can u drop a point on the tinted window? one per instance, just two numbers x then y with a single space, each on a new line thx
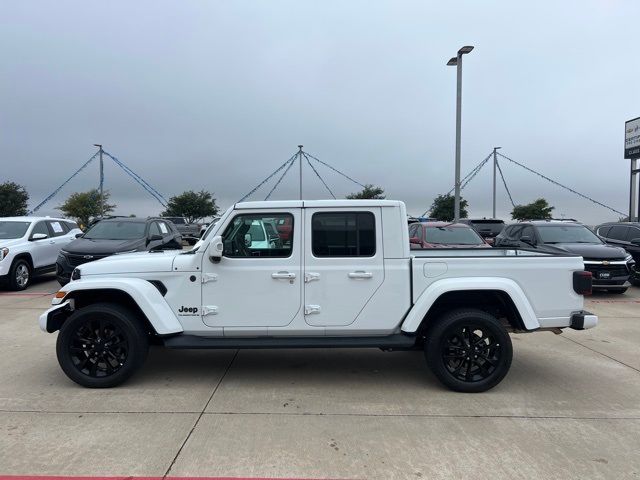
452 236
528 231
116 230
255 235
13 229
515 232
603 231
618 232
176 220
634 232
419 232
40 227
154 229
343 234
491 227
58 228
567 234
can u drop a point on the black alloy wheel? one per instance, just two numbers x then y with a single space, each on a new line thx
101 345
468 350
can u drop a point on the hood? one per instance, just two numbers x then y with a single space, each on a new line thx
591 251
142 262
81 246
8 242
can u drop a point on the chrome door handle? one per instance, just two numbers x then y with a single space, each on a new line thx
360 274
52 242
285 275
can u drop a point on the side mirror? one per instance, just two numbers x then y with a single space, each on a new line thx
415 240
78 235
247 239
216 250
527 239
635 241
39 236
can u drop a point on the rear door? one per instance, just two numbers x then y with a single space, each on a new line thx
343 263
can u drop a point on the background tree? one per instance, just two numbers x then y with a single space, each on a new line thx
443 208
85 206
369 192
192 205
538 210
13 200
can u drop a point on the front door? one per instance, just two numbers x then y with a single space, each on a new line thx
343 264
257 281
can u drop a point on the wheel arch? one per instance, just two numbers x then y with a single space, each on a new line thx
141 296
23 256
502 298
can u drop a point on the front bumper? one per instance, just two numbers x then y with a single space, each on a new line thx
51 320
583 320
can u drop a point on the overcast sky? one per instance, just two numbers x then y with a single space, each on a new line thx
216 95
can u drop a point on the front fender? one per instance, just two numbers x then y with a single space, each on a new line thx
426 300
144 294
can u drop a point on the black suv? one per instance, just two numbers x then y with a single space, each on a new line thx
610 266
488 228
116 235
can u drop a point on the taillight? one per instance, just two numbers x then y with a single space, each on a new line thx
582 282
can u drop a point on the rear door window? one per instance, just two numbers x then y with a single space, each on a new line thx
604 231
57 228
343 234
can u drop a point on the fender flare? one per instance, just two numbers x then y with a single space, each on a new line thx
426 300
144 294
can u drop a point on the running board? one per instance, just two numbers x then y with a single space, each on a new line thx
398 341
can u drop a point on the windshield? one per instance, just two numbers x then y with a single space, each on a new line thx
111 230
567 234
452 236
13 229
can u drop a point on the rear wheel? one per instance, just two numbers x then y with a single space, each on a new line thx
20 274
101 345
468 350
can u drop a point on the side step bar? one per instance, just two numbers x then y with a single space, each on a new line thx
397 341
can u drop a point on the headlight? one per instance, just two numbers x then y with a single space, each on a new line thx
128 251
628 258
76 274
4 252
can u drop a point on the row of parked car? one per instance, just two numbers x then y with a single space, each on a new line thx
610 251
30 246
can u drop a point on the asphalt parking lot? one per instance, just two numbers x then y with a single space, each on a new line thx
569 408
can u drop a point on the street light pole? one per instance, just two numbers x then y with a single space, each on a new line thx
457 62
495 164
101 181
300 155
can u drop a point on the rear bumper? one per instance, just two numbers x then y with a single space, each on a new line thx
583 320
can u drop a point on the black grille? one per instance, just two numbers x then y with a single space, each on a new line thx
614 270
79 259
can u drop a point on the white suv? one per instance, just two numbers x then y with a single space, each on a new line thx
29 246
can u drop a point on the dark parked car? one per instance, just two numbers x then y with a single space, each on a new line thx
116 236
444 235
488 228
609 265
625 235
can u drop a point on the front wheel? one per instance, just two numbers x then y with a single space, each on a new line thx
468 350
20 274
101 345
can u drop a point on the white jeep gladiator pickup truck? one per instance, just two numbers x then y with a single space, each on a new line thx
344 277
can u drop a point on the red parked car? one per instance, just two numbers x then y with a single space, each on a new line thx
285 227
444 235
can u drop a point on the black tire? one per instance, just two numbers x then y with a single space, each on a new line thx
20 274
617 290
468 350
106 326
